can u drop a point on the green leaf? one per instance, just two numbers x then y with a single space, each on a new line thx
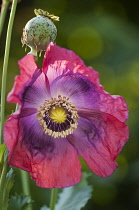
9 179
75 197
7 187
18 202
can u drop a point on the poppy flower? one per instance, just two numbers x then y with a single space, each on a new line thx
63 113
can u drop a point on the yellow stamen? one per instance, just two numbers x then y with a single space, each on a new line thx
58 114
56 111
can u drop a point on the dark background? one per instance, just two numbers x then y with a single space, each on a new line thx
105 34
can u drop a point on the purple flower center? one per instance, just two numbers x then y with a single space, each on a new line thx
58 117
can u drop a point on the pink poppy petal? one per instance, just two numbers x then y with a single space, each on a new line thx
27 67
114 105
60 169
51 162
59 61
99 138
11 132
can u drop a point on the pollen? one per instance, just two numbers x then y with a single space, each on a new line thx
58 114
58 117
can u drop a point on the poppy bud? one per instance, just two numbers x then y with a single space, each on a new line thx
39 31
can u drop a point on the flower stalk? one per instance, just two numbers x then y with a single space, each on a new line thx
4 8
53 198
2 180
5 64
25 186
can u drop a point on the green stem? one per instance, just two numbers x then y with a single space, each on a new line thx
5 64
53 198
25 186
4 8
25 182
2 180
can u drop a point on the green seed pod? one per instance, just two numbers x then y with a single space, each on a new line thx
39 31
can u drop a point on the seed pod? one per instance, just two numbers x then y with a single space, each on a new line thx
39 31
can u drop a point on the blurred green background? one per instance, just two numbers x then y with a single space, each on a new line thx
105 34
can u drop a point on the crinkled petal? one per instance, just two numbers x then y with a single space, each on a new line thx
99 138
114 105
51 162
11 134
29 71
59 61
